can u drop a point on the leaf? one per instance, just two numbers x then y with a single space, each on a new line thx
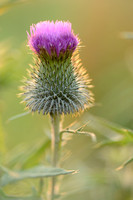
125 164
76 132
36 172
27 156
101 126
118 129
35 156
82 127
3 169
111 142
3 196
18 116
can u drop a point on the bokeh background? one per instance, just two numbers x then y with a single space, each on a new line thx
105 29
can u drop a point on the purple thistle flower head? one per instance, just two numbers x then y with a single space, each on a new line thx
53 39
57 83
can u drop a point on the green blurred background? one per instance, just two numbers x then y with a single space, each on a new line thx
108 56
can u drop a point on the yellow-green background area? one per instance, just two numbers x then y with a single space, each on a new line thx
107 54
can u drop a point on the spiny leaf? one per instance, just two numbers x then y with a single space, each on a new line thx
125 164
82 127
92 135
3 196
36 172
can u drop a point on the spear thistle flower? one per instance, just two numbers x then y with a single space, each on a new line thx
57 83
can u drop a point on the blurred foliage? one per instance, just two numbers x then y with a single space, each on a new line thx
36 172
6 197
2 140
7 62
125 164
5 5
105 28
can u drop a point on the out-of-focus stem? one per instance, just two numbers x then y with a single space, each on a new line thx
55 143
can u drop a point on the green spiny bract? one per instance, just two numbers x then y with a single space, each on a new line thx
57 86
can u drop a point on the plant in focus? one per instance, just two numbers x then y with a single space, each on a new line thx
57 85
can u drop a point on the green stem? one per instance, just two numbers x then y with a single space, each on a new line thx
55 143
41 185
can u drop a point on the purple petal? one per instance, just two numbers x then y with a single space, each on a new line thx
53 37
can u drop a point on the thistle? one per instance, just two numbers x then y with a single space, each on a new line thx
57 83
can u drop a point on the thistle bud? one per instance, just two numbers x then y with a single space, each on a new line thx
57 83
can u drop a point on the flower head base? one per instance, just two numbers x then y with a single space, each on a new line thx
53 39
57 83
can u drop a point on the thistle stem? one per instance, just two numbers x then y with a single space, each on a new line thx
55 143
